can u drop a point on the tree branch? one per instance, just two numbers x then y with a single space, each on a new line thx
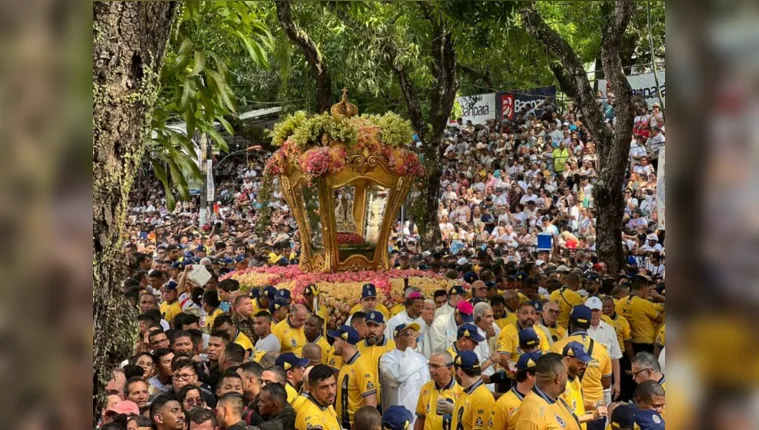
312 53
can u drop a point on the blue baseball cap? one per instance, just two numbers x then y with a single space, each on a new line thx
592 276
576 350
276 305
368 290
528 337
171 285
538 305
623 416
200 248
457 289
283 294
311 290
528 360
580 314
466 360
375 317
520 276
270 291
647 419
288 360
177 265
347 333
397 417
403 327
255 293
470 277
470 331
491 285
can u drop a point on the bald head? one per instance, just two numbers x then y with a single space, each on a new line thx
548 367
298 315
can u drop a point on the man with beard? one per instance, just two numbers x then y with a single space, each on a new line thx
414 303
313 331
167 413
376 344
294 368
317 411
275 409
356 383
508 340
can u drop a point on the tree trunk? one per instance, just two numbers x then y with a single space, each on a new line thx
612 147
130 40
312 53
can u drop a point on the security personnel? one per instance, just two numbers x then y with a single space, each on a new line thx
313 331
290 332
598 373
642 314
577 359
472 409
397 417
375 344
356 386
548 319
506 407
620 324
508 340
369 302
170 306
467 339
265 298
311 296
543 408
294 368
316 412
567 297
437 397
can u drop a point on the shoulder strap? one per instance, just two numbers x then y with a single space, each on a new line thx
561 293
590 348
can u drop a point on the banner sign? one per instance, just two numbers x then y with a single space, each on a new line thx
512 102
660 174
478 109
644 85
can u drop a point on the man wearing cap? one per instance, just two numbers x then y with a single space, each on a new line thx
413 313
311 296
603 333
576 360
403 370
506 407
397 417
170 306
369 303
455 295
567 297
290 331
510 339
652 244
356 385
467 339
279 309
644 316
542 408
294 368
437 397
592 286
264 300
472 408
597 377
445 327
375 345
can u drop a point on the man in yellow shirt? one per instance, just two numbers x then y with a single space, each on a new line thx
170 306
642 314
660 341
597 376
375 344
437 397
369 302
472 409
294 368
624 337
500 315
224 322
264 299
311 300
549 319
290 331
567 297
509 340
543 408
577 359
211 307
279 309
506 407
313 331
356 386
317 411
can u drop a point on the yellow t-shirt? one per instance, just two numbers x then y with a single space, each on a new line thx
325 346
505 409
292 393
598 368
539 412
573 396
472 409
621 327
661 337
291 339
334 360
567 299
427 405
508 341
170 310
374 353
313 415
640 313
379 308
244 341
355 381
323 312
299 401
557 331
211 317
510 318
257 306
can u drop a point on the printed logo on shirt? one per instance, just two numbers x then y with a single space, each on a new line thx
657 420
292 342
560 421
479 422
369 385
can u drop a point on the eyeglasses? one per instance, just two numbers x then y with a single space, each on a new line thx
439 366
630 372
183 377
198 401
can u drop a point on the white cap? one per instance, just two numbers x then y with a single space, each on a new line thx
462 261
652 237
539 263
594 303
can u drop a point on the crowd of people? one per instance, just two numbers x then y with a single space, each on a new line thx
529 338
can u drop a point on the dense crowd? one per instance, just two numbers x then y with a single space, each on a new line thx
531 337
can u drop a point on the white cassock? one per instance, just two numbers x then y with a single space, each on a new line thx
403 374
444 310
483 352
443 333
424 344
403 318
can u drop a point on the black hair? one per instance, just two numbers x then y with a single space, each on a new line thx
252 367
133 370
221 320
279 372
185 390
228 374
148 317
131 381
160 352
160 401
497 300
182 362
180 333
319 373
367 417
134 359
277 393
235 400
199 416
155 332
521 375
358 315
440 293
221 334
211 298
155 312
176 322
229 285
196 335
190 319
142 421
646 390
234 353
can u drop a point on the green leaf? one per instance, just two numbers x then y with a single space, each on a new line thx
200 63
254 49
227 126
178 177
216 136
189 119
160 172
185 94
223 89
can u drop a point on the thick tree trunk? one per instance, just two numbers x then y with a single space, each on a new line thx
612 147
130 40
312 53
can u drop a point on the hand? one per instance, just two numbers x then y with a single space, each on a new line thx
615 391
499 377
496 357
443 406
599 412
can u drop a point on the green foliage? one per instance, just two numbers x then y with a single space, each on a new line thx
196 87
337 128
395 131
286 127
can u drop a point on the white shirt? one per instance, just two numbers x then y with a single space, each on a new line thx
424 344
606 336
269 344
444 310
443 332
402 373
